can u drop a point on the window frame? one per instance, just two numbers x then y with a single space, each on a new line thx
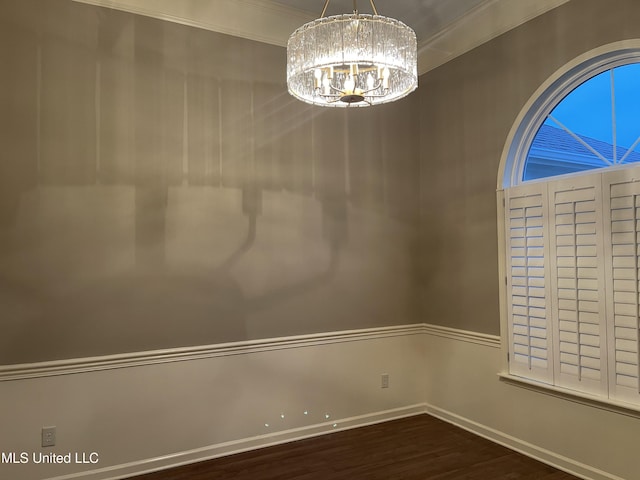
545 99
511 172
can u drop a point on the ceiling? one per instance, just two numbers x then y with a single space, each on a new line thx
426 17
445 28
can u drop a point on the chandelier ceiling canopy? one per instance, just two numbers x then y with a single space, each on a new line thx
352 60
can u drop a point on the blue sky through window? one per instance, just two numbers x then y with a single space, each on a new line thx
581 131
627 84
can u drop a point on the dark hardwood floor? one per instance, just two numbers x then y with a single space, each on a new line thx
414 448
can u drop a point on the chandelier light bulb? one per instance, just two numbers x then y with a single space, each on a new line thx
370 82
385 78
349 85
326 83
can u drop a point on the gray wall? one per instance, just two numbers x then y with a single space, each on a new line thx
467 108
159 188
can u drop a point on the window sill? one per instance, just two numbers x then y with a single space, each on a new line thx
614 406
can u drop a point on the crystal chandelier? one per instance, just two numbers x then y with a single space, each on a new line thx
352 60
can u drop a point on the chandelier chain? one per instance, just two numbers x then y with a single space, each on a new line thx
355 7
324 10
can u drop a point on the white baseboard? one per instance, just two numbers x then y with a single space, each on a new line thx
118 472
565 464
228 448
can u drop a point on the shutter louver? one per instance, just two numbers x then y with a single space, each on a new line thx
578 285
573 285
529 332
623 227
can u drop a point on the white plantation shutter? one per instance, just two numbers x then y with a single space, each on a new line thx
573 283
622 227
577 281
528 289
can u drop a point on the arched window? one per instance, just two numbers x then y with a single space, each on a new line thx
596 125
571 243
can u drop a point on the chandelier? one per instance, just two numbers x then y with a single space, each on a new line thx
352 60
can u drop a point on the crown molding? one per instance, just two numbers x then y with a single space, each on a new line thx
269 22
259 20
487 21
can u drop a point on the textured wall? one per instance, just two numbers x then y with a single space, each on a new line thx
159 188
467 108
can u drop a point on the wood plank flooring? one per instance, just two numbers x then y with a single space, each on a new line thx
415 448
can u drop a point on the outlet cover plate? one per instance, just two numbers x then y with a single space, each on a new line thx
48 436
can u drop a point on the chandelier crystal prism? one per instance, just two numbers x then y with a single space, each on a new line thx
352 60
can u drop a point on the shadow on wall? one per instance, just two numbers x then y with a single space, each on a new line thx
159 188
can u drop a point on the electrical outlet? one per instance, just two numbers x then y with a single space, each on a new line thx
384 380
48 436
